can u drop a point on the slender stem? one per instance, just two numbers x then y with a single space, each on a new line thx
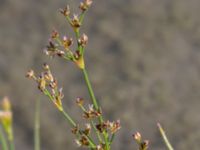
37 126
69 119
169 146
94 101
112 138
3 142
90 90
97 132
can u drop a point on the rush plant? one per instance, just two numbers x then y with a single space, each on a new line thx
98 133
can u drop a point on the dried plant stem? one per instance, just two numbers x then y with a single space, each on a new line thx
37 126
3 142
169 146
94 101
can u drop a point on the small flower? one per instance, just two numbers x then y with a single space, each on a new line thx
144 145
41 83
51 50
83 40
87 129
114 126
65 11
85 5
84 141
79 101
75 130
30 74
137 137
75 22
101 127
67 42
54 34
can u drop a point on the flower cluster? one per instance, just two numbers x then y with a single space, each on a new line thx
101 127
48 84
143 144
113 127
60 46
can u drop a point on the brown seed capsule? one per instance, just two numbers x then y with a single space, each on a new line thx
41 83
114 126
85 5
30 74
67 42
84 141
75 130
46 66
83 40
54 34
75 22
60 53
144 145
79 101
137 137
65 11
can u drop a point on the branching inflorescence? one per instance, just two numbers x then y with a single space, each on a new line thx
61 46
103 130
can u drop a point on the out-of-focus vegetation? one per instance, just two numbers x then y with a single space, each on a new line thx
144 58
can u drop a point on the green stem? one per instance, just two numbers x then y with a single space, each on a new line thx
11 138
96 106
69 119
11 144
3 142
90 90
37 126
112 138
169 146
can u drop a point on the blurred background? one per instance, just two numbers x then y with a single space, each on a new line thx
143 59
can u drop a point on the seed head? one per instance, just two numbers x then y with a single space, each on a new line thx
54 34
67 42
79 101
65 11
30 74
137 137
75 22
83 40
85 5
